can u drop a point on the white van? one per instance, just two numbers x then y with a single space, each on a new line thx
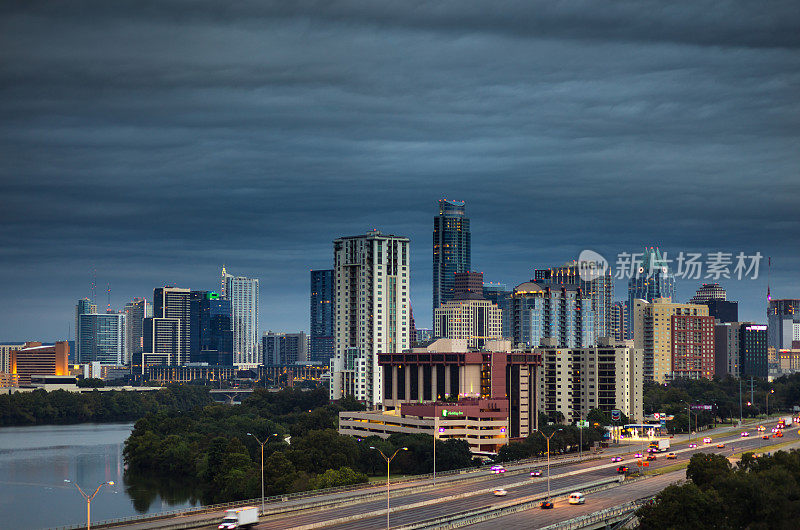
576 498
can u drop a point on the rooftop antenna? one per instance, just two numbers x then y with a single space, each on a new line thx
769 273
94 283
108 308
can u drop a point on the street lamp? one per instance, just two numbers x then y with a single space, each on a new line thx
262 465
771 391
548 456
89 499
388 461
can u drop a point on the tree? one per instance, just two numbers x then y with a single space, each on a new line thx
685 506
705 469
333 478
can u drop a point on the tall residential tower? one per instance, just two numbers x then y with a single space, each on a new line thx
373 315
451 249
322 316
243 294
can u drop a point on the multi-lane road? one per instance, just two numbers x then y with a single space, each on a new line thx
449 498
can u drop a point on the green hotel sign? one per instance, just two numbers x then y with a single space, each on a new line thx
449 413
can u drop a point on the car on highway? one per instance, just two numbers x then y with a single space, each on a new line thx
498 469
546 505
765 437
692 446
720 446
638 455
616 459
500 492
761 428
651 457
706 440
576 498
778 434
745 434
622 470
536 473
672 456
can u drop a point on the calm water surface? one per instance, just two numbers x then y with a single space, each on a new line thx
35 461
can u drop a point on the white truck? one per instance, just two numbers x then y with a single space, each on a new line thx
239 518
659 446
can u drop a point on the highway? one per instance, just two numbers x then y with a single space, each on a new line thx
452 498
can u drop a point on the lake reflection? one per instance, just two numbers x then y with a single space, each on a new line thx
35 461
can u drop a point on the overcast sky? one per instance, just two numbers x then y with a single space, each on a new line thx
155 141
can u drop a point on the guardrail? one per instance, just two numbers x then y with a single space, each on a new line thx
470 517
599 516
451 476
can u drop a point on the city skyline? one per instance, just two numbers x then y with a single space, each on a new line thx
257 137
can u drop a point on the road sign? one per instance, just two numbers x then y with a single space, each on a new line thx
615 415
583 423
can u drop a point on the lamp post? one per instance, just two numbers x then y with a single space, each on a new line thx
262 465
89 499
548 456
771 391
388 462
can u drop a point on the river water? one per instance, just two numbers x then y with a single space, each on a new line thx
35 461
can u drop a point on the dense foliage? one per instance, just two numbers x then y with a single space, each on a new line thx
760 492
210 447
723 395
61 407
567 438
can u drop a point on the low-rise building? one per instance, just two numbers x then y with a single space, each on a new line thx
483 423
35 359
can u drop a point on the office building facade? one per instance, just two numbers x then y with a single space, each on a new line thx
243 294
753 355
651 280
708 292
102 338
477 321
783 321
468 286
726 348
597 285
83 329
35 359
210 329
284 348
559 311
373 275
166 335
501 296
452 250
322 313
135 312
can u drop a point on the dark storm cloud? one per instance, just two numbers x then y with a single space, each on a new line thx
154 141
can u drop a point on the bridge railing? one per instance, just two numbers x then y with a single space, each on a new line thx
275 499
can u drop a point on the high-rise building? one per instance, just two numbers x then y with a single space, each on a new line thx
82 329
619 321
35 359
606 376
5 355
652 279
707 292
559 311
451 249
723 310
596 285
753 350
500 295
322 316
476 321
726 348
783 321
677 339
167 332
284 348
468 286
102 338
210 329
373 274
243 294
135 312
